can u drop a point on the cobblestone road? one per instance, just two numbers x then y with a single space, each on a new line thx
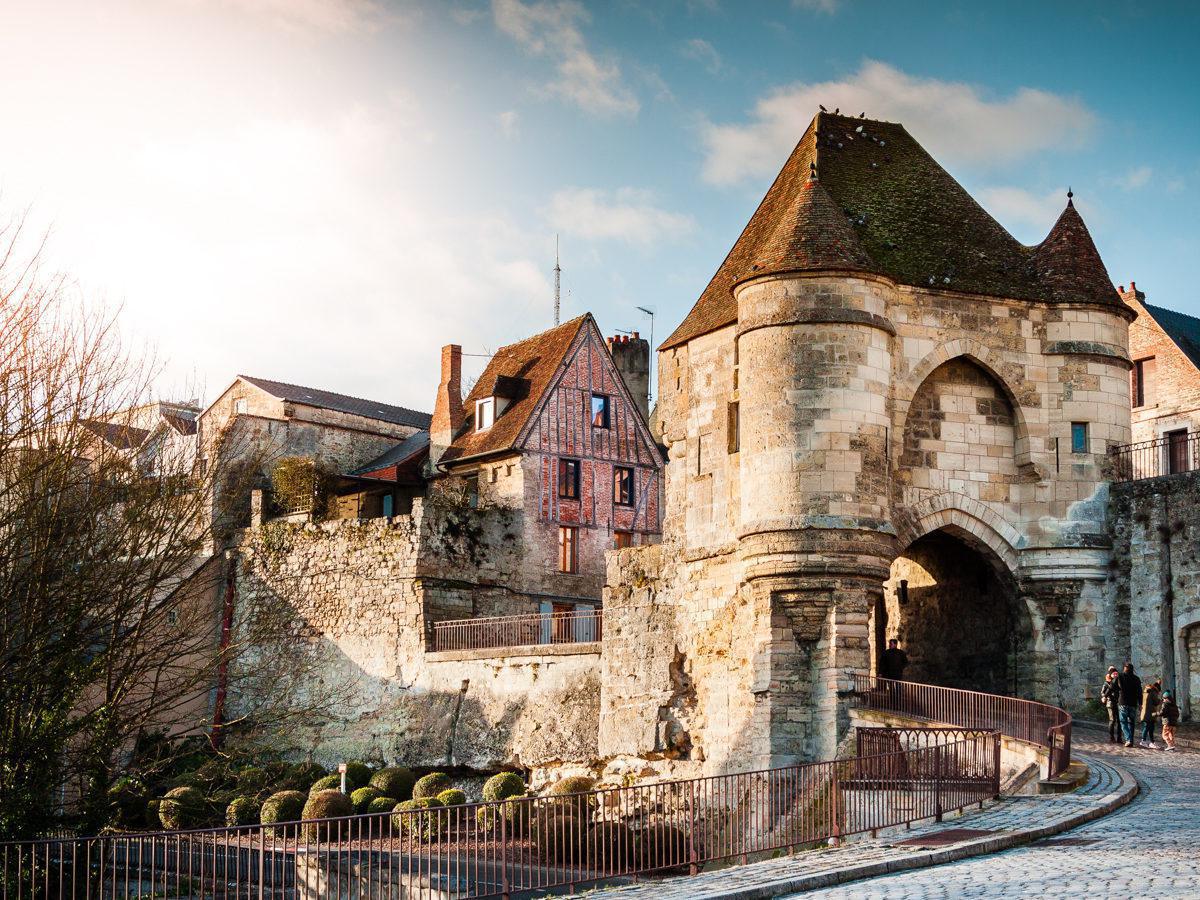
1150 848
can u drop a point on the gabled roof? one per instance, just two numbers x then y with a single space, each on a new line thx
370 409
534 361
182 424
1181 328
404 452
116 435
912 220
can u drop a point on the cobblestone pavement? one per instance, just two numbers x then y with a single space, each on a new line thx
1150 848
1005 818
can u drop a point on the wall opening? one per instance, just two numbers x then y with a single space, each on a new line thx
953 606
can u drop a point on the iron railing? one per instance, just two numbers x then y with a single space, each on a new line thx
524 846
1172 454
578 627
1025 720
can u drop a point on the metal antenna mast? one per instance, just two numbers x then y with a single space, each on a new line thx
557 280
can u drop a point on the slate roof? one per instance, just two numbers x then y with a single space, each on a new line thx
371 409
535 361
1181 328
183 424
398 455
122 437
912 220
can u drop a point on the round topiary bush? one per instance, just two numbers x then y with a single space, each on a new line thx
182 807
327 783
242 811
503 786
559 838
515 812
252 779
452 797
361 798
431 785
358 774
664 846
612 847
283 806
325 805
573 784
395 781
418 819
382 805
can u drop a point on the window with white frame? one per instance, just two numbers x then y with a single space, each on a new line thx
485 413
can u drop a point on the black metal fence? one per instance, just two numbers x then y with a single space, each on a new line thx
1172 454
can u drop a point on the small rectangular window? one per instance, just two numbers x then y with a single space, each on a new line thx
568 554
239 405
735 427
568 479
622 539
485 413
600 410
1141 382
1079 437
622 486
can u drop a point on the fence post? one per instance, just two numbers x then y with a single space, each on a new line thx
996 766
693 868
937 784
504 886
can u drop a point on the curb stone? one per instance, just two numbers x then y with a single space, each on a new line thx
1119 797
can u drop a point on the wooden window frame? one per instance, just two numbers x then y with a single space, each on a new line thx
568 549
1076 428
606 410
488 403
568 487
618 471
622 539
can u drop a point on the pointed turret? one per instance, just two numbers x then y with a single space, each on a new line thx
811 233
1069 267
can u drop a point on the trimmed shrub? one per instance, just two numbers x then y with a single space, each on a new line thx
559 838
252 779
283 806
664 846
382 804
395 781
431 785
503 786
569 797
612 846
301 776
418 819
182 807
328 783
358 774
452 797
515 811
214 775
242 811
573 784
325 805
361 798
152 820
127 799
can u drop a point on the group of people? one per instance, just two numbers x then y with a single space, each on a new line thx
1128 702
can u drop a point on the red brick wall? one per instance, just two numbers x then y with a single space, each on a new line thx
1174 386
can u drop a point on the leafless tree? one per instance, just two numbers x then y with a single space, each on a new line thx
115 619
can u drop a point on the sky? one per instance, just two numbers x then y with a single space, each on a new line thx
327 191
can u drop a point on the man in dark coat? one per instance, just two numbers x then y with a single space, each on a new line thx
1129 688
893 662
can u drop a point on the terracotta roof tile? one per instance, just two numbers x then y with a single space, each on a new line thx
535 361
914 222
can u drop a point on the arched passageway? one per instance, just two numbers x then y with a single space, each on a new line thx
953 606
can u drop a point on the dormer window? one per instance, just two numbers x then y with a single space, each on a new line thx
485 413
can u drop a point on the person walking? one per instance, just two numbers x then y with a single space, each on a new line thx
1170 718
1151 701
1129 695
1110 696
894 661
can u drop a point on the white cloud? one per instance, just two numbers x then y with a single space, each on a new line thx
1022 210
551 29
627 214
510 121
953 120
329 16
829 7
704 53
1135 178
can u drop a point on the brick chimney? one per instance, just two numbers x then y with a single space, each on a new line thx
631 354
448 407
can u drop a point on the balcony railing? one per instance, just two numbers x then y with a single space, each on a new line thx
1171 454
1024 720
578 627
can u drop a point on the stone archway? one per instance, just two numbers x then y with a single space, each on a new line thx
952 603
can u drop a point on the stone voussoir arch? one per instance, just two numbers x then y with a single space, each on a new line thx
952 512
979 354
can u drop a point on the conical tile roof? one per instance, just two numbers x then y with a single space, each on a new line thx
1069 265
